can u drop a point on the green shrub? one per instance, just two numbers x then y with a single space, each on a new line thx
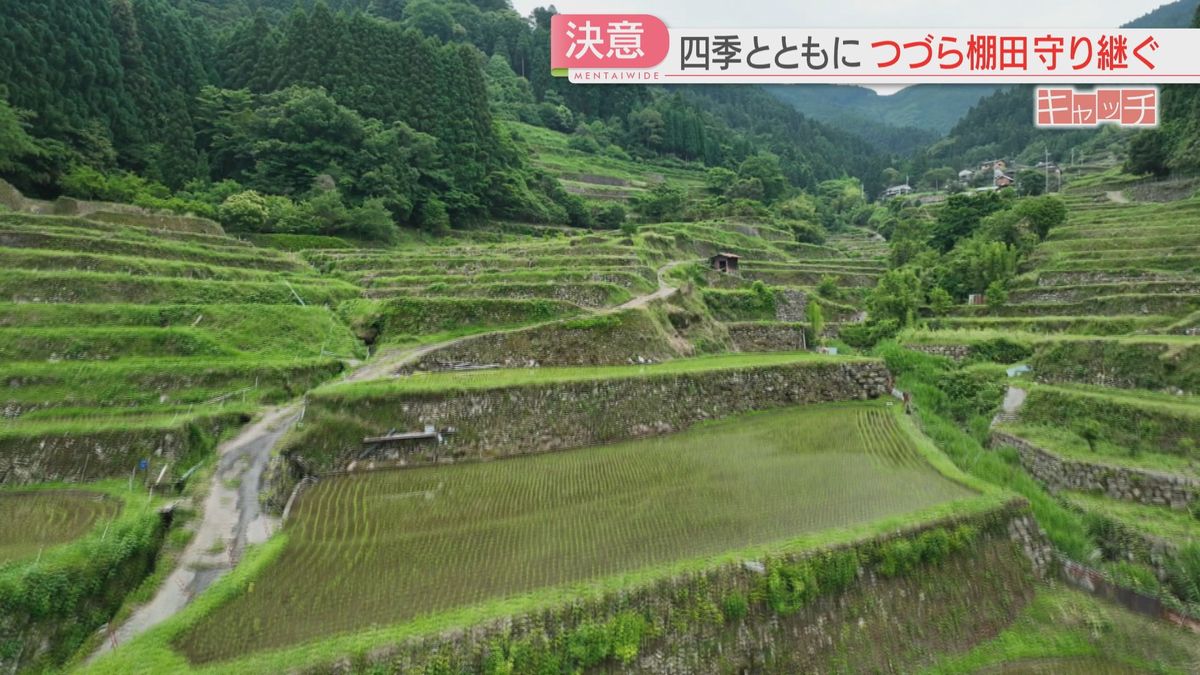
1089 430
1042 213
898 557
808 233
1183 573
828 287
816 320
836 571
661 203
869 333
735 607
245 212
626 631
791 586
996 295
1132 575
51 605
757 303
611 217
970 393
582 647
1001 350
940 302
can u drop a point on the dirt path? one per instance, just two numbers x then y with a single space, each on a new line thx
1014 398
386 363
231 518
664 290
1116 196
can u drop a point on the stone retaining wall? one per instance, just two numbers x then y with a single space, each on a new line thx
1063 295
1135 485
784 277
584 294
1096 583
542 417
618 339
768 337
1036 546
954 352
1084 277
110 453
790 305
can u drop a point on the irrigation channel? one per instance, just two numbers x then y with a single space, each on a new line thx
231 516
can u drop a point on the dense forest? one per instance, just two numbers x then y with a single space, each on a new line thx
1175 146
1001 126
356 117
975 129
349 116
1177 14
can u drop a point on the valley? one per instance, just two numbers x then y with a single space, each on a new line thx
349 338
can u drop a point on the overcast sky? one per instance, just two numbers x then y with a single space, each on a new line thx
869 13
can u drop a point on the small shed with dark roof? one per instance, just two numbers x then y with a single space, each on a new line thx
724 262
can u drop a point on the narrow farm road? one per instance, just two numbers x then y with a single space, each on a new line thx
665 289
1014 398
231 516
231 519
1117 196
386 363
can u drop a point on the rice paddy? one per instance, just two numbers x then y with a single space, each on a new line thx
390 547
33 521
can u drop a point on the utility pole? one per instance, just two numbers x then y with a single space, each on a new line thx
1046 169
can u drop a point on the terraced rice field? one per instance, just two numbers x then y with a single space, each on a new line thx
461 288
33 521
120 336
1123 261
389 547
595 176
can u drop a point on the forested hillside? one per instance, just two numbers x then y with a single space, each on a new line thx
350 117
1175 145
263 437
951 125
1001 125
1172 15
902 123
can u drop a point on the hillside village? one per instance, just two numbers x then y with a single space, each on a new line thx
500 375
991 175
